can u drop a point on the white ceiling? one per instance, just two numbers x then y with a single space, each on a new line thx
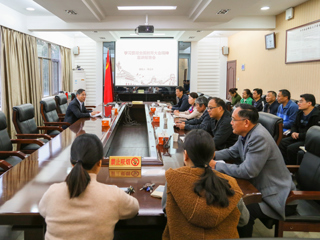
192 18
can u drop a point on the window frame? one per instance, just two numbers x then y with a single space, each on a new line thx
52 61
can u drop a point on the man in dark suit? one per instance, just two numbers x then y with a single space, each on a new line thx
183 104
220 126
77 110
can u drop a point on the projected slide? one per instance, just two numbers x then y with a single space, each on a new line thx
146 62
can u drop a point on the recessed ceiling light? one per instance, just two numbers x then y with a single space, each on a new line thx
133 34
265 8
71 12
159 34
30 9
223 11
147 7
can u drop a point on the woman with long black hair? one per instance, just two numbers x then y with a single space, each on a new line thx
201 203
81 207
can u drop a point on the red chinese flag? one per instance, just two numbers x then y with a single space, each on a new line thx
108 85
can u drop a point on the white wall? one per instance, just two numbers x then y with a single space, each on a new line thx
88 60
208 66
12 19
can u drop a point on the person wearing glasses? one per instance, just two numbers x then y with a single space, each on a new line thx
220 127
260 161
203 122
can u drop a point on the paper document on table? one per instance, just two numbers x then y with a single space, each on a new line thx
97 115
221 161
158 192
303 148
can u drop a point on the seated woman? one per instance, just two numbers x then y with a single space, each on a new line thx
235 97
81 207
192 112
201 203
246 97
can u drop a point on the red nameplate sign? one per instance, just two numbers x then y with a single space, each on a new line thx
124 162
133 173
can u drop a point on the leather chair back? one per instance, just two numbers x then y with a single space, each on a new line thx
308 176
5 141
62 103
23 119
49 110
73 96
273 124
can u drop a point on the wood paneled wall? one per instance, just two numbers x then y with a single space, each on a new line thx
266 69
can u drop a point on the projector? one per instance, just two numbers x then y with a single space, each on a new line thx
145 29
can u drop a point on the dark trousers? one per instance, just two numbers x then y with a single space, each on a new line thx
289 148
255 212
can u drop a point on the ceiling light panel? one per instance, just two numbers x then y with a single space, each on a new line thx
265 8
30 9
133 8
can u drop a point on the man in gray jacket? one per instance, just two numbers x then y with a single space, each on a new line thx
261 162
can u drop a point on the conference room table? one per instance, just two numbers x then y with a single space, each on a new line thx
23 186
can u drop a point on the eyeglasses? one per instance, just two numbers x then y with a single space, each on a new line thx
234 120
210 108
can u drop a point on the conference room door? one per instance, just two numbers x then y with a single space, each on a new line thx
231 76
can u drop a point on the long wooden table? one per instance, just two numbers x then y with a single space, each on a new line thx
23 186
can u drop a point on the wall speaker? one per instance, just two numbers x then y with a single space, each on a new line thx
225 50
289 13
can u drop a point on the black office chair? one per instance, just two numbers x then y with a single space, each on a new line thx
62 104
50 116
25 125
307 174
273 124
8 157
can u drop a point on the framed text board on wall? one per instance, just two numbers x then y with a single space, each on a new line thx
303 43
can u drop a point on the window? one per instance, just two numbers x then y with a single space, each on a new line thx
184 64
49 65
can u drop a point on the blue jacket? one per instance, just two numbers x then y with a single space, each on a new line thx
288 114
183 104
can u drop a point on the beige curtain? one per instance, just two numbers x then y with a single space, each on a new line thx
19 74
66 68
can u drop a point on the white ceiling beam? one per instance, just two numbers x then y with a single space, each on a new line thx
94 9
198 9
129 23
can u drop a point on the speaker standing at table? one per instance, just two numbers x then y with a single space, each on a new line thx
81 207
77 110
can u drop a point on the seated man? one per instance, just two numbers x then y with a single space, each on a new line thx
183 104
307 117
76 108
261 162
287 109
203 122
257 100
220 126
272 104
